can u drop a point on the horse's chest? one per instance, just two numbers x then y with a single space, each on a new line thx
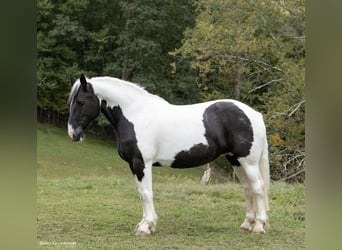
126 136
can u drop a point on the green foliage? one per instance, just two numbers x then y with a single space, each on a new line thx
125 39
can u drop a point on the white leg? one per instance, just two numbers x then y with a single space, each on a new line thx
149 221
257 187
250 213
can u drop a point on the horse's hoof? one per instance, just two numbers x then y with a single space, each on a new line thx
244 228
258 230
142 233
247 225
145 228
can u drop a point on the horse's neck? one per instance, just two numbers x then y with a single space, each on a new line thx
119 93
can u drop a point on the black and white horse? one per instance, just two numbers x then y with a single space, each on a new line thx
150 131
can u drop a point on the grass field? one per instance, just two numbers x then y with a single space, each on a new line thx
87 199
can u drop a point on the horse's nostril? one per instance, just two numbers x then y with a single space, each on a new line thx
77 135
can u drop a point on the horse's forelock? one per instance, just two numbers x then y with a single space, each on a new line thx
73 92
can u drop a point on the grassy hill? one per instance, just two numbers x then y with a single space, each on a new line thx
87 199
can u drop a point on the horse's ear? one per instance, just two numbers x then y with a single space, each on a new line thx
83 82
72 80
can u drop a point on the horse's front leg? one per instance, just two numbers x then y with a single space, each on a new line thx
144 184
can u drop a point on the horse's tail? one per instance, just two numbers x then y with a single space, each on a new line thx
264 167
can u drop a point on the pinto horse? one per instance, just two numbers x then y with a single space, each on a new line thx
150 131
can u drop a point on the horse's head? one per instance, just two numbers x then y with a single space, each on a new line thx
84 107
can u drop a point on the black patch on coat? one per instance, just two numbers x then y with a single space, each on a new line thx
126 139
228 131
198 155
233 160
156 164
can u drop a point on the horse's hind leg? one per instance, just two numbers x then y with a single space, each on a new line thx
250 213
256 184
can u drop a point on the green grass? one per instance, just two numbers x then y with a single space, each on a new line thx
87 199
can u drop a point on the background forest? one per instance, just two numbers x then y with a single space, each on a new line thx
185 51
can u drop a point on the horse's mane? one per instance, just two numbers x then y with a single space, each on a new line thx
135 86
73 91
113 79
132 85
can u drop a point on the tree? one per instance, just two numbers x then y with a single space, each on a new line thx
254 51
149 32
125 39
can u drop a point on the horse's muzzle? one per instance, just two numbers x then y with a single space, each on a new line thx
75 134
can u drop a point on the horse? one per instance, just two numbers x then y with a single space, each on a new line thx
152 132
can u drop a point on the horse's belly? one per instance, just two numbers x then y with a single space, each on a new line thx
196 156
184 155
188 159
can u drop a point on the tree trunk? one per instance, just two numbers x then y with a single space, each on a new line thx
237 80
124 73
